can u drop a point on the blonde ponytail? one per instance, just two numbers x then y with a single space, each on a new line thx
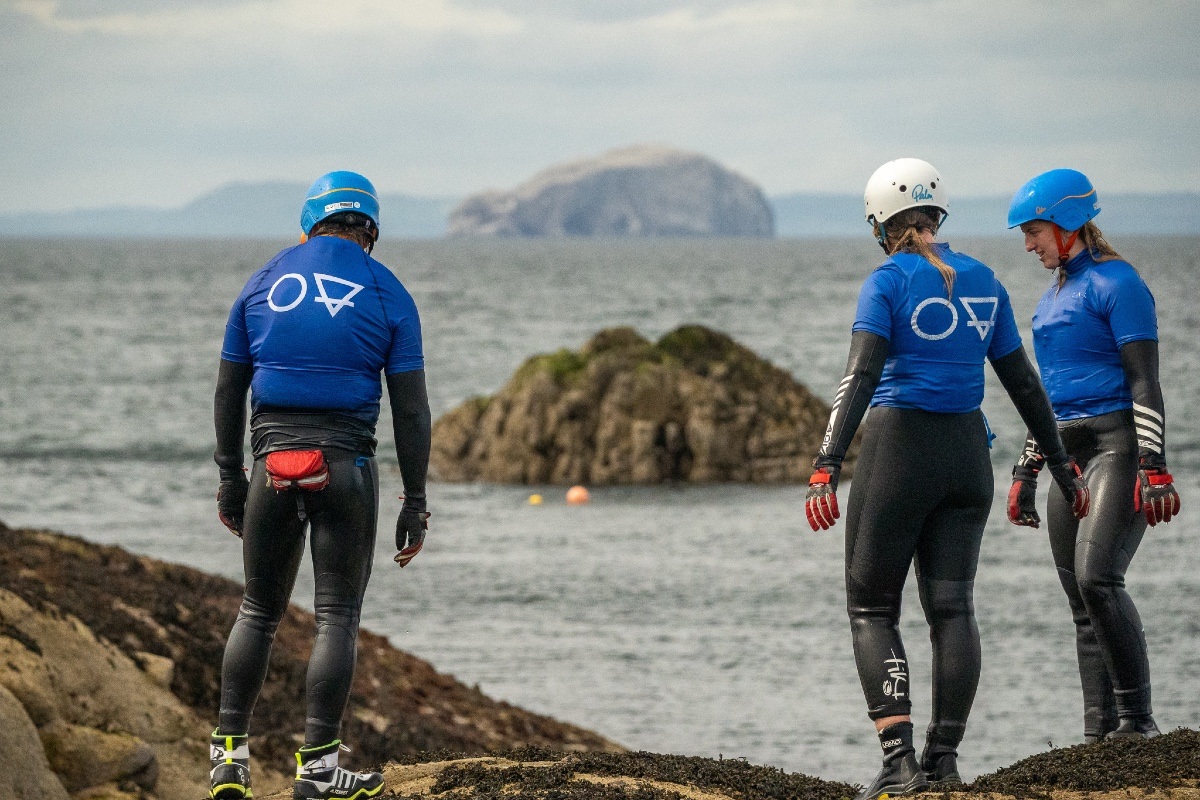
904 236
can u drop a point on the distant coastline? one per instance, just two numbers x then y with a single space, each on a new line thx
270 210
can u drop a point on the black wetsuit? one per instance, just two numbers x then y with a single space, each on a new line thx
1092 554
342 516
923 483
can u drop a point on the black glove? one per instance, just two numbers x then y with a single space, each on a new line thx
1070 482
1154 493
820 502
411 527
1022 497
231 498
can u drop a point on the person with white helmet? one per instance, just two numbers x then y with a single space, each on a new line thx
1095 333
308 338
927 320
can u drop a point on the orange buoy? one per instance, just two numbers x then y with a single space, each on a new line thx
577 495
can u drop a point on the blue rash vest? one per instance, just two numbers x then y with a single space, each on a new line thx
1078 332
936 345
319 323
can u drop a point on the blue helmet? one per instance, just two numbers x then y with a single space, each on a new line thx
336 193
1062 196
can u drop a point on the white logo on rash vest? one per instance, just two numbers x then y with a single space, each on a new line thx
983 326
334 304
969 304
891 743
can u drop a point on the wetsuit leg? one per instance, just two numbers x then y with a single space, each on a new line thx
272 545
1113 663
946 562
939 519
343 547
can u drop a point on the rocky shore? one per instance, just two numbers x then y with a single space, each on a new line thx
694 407
109 682
1166 768
108 689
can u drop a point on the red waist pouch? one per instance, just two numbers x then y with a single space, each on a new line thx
303 469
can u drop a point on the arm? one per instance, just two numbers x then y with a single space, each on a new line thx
868 354
1155 494
412 425
229 417
1020 380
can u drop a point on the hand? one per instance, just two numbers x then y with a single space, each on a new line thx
820 502
1154 494
411 527
1070 482
231 499
1022 498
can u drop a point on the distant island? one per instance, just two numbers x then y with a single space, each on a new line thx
271 210
638 191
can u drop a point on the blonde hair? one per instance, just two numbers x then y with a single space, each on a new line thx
1097 245
903 235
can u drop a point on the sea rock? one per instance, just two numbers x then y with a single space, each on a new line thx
644 190
696 407
110 682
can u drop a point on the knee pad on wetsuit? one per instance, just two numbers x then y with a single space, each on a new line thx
944 600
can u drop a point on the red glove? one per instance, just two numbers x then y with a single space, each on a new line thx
411 527
1022 498
1070 482
820 502
1155 496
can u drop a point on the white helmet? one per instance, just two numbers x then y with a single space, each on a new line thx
900 184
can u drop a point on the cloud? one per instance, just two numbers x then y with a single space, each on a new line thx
164 100
290 17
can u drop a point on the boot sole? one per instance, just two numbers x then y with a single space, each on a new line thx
917 784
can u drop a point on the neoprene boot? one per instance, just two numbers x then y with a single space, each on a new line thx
1100 720
939 760
318 776
1137 722
901 773
230 775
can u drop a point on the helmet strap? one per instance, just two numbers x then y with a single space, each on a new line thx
882 237
1064 247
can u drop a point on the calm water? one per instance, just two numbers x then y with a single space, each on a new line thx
701 620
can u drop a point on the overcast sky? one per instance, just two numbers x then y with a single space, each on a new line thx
153 102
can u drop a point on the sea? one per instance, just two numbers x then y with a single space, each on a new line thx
702 620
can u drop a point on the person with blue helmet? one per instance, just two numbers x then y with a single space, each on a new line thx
1095 334
308 338
928 319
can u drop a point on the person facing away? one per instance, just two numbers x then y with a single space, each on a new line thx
927 320
1095 334
308 337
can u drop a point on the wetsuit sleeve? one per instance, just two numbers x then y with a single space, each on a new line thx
868 354
413 425
1140 362
229 412
1021 382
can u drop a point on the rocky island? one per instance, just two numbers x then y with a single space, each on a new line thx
694 407
644 190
